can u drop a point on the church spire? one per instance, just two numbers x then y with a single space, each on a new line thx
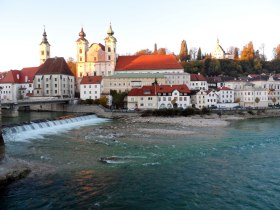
45 40
82 34
110 31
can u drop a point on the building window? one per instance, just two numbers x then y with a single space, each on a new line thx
48 53
81 51
55 91
81 58
55 79
42 52
47 91
55 85
109 57
47 85
109 50
81 74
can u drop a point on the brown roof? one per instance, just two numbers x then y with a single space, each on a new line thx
55 65
147 62
152 90
197 77
91 80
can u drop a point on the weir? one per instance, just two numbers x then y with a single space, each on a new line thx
36 129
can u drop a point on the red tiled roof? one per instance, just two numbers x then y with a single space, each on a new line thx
224 88
152 90
197 77
55 65
143 91
170 88
29 73
91 80
12 76
147 62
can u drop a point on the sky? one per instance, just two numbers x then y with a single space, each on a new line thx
138 24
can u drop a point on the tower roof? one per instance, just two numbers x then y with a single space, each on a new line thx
45 40
82 35
110 31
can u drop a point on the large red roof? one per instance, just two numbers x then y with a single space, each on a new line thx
91 80
197 77
56 65
147 62
152 90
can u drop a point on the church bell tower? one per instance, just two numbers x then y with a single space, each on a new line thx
44 48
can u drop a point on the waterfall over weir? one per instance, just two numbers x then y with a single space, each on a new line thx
36 130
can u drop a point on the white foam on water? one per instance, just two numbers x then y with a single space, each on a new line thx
25 133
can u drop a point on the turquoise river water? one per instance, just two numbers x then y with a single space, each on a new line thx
237 167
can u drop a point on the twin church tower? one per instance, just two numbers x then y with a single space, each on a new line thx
94 59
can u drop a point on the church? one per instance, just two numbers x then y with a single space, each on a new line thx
219 53
96 59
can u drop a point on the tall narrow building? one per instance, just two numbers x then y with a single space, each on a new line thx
44 48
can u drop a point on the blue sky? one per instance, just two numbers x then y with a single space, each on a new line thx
138 24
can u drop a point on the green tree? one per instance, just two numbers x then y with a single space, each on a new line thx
215 68
257 100
184 55
274 100
199 55
118 99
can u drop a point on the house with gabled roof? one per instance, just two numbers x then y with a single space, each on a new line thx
90 87
159 96
198 82
16 84
54 79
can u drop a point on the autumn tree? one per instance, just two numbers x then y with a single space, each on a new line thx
184 55
72 66
144 52
248 52
276 52
162 51
199 55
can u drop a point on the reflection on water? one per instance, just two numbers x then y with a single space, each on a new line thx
221 170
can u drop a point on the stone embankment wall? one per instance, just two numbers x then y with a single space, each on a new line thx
77 108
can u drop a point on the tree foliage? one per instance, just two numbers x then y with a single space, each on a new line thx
144 52
248 52
72 65
276 52
118 99
199 54
184 55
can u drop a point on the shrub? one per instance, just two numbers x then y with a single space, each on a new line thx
204 110
251 112
188 111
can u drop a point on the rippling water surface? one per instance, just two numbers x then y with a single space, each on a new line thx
223 168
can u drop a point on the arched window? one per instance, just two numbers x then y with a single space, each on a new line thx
81 51
109 49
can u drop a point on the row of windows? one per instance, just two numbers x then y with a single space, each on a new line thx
85 92
95 86
55 79
169 99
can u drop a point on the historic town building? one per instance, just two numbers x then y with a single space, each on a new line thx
91 87
54 79
219 53
96 59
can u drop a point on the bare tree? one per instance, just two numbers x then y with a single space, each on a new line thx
193 52
261 50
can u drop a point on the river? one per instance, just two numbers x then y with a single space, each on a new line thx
236 167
